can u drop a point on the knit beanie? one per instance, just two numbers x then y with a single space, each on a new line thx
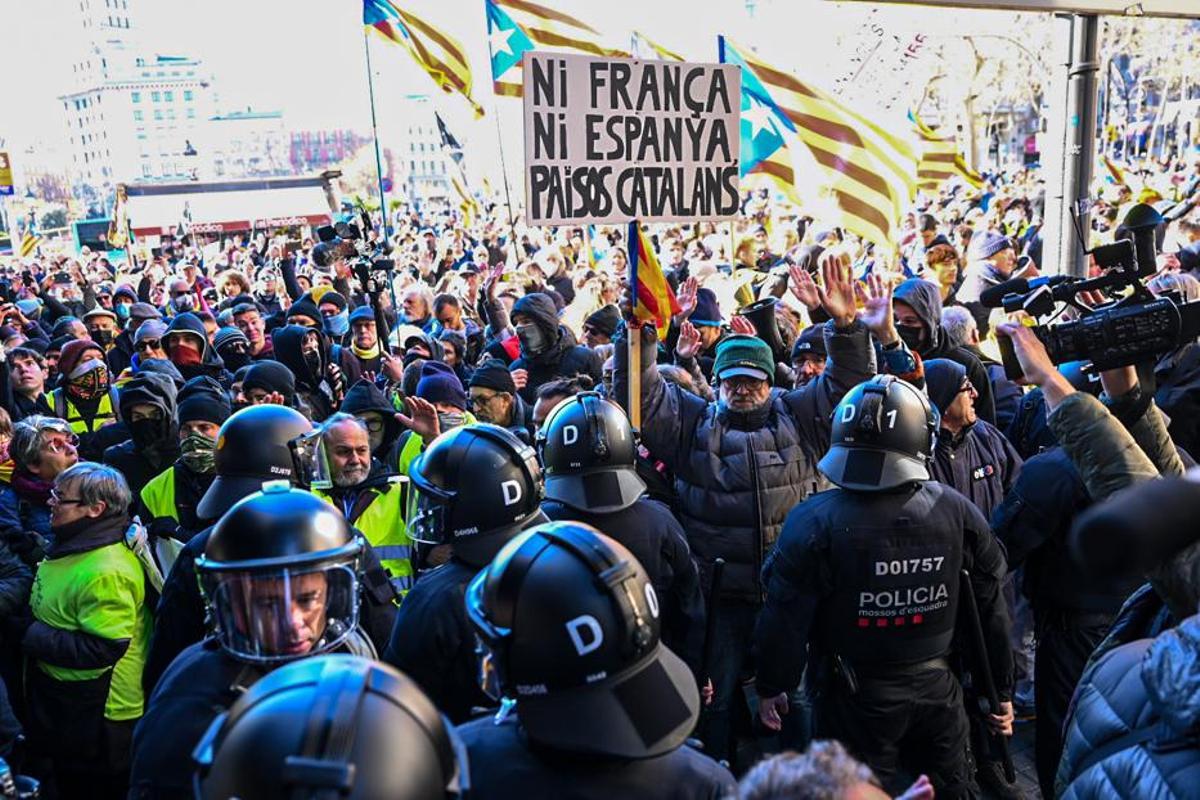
811 341
744 355
72 352
305 308
333 297
708 311
493 374
943 379
271 376
439 384
227 335
605 320
202 400
985 244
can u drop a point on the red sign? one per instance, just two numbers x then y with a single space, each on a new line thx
229 226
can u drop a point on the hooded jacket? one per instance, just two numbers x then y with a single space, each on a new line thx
1134 722
365 396
563 358
140 464
924 298
311 386
210 363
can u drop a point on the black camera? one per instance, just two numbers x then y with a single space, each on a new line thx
1134 327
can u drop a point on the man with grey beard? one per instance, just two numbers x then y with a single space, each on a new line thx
371 498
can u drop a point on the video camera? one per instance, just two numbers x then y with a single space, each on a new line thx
1133 327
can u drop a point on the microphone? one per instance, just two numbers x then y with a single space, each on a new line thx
993 296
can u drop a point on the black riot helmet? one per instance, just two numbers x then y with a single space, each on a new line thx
883 433
477 487
588 450
568 625
333 726
279 576
253 446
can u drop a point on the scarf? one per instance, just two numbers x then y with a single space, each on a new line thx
32 488
89 380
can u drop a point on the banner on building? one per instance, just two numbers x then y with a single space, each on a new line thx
6 178
610 140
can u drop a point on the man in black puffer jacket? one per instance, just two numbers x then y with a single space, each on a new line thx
548 350
148 408
919 321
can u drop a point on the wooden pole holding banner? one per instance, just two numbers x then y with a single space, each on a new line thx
732 245
634 340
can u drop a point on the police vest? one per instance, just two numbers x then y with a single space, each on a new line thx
895 592
158 496
381 521
64 409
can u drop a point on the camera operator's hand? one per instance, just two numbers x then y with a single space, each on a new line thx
1036 364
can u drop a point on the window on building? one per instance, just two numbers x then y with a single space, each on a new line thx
191 113
146 170
137 116
187 95
136 97
170 113
155 96
158 114
169 97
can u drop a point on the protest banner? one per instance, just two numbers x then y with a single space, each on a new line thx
611 140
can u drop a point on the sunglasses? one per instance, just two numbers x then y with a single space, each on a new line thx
148 344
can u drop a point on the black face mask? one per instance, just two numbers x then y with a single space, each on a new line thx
313 360
147 433
102 337
913 336
235 361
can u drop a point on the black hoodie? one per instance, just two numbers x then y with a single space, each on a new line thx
563 359
139 464
924 297
210 363
365 396
311 385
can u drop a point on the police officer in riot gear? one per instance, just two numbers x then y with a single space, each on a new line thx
254 446
593 704
863 588
333 725
280 577
588 451
477 487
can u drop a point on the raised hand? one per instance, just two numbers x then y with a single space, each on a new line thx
520 378
742 325
392 367
804 287
688 345
837 295
876 299
424 419
687 298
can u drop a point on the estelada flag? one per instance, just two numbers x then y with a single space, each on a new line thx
655 301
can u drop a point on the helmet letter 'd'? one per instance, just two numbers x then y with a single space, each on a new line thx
586 624
512 492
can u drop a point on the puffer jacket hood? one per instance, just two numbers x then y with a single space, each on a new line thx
925 298
154 388
1171 673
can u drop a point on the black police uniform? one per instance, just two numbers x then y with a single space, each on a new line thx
656 538
432 641
179 620
506 764
871 581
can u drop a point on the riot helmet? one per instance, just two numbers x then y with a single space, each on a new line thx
332 726
883 434
280 576
477 487
253 446
568 629
588 450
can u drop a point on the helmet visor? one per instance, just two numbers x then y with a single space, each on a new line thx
282 614
310 460
488 638
428 524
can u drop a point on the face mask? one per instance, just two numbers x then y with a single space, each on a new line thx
450 421
146 433
912 335
183 356
185 302
199 453
89 380
102 337
122 310
235 361
338 324
313 359
533 339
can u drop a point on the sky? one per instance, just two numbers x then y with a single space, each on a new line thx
306 57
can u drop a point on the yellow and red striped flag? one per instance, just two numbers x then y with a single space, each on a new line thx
517 26
655 301
870 174
438 53
29 244
941 159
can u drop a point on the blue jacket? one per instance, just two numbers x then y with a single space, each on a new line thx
19 518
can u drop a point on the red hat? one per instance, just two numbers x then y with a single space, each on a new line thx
72 352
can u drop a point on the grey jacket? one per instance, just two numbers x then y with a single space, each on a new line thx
738 476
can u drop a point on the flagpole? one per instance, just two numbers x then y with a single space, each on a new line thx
634 337
383 209
512 228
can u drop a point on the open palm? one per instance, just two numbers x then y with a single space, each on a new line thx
837 295
876 299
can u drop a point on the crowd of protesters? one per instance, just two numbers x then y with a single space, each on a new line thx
120 384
